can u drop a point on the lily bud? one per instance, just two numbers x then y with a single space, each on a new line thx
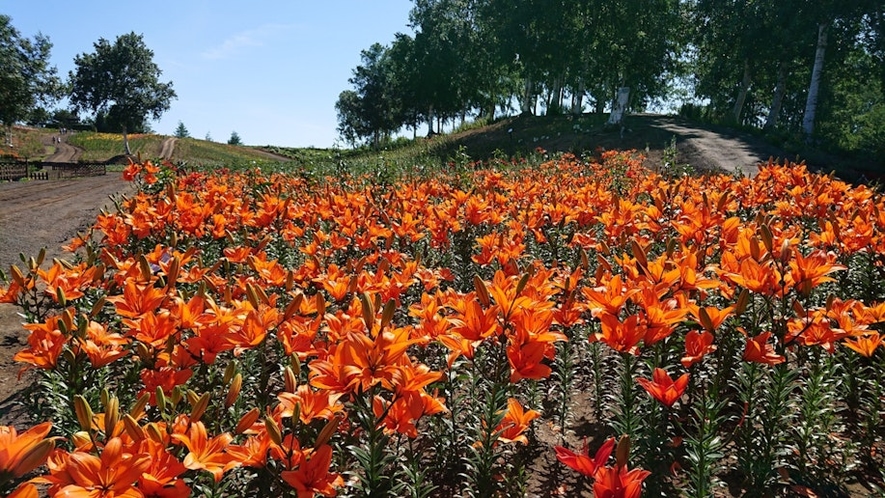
296 364
247 421
132 428
368 311
229 371
161 399
81 440
233 392
137 409
623 451
273 430
84 412
328 431
200 407
111 415
291 381
387 313
482 292
152 430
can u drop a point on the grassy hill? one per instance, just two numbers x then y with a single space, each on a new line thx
513 137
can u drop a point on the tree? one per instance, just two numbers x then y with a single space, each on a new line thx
28 84
181 131
119 84
234 139
208 137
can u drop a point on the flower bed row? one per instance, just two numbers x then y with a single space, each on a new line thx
254 334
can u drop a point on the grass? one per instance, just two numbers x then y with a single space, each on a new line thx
203 153
27 145
104 146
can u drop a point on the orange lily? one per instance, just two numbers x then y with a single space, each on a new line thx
313 476
697 345
22 453
758 350
663 388
515 422
206 454
865 344
113 475
582 462
619 482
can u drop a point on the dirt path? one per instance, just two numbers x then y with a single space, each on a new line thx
64 152
167 147
707 149
34 215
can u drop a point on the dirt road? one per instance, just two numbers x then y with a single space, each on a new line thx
167 148
707 149
64 152
39 214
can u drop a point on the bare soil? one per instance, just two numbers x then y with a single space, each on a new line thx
167 147
33 215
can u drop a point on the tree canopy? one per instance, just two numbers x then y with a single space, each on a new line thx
28 83
782 65
119 84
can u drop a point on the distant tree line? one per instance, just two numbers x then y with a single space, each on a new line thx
814 68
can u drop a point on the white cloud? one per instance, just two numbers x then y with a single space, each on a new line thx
244 40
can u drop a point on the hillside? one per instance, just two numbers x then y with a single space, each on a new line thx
38 144
663 139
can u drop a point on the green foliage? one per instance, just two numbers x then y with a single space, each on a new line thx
28 83
234 139
119 84
181 131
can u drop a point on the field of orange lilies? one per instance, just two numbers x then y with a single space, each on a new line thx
486 332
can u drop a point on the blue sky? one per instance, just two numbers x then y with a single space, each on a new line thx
269 70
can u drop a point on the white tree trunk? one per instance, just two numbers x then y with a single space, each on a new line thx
126 149
527 96
555 100
777 100
619 106
578 98
742 95
814 87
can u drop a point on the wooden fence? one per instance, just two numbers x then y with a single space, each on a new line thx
12 171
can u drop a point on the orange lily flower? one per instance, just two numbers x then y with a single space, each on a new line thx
113 475
45 344
582 462
619 482
311 404
313 476
810 271
697 345
663 388
758 350
161 479
608 298
515 422
137 299
621 336
865 344
102 347
22 453
710 317
206 454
